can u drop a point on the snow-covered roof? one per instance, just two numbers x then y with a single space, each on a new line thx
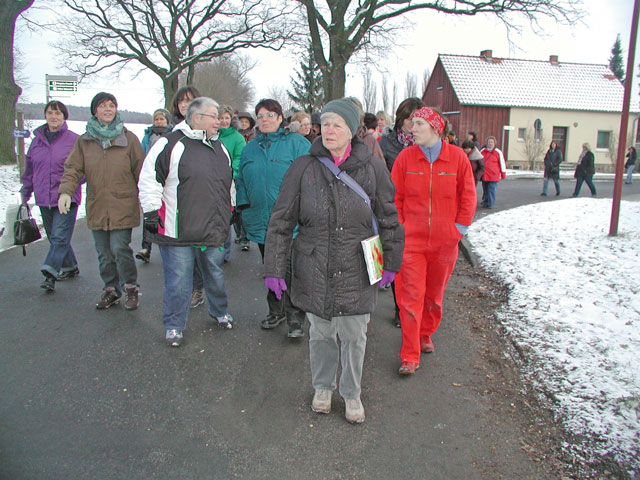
511 82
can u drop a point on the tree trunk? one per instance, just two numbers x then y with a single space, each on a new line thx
170 85
9 91
337 79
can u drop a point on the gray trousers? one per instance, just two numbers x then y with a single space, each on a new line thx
324 353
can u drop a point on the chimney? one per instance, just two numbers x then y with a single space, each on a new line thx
487 54
553 59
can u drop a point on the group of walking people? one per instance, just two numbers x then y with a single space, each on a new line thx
307 205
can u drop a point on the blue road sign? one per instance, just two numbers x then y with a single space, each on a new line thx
20 133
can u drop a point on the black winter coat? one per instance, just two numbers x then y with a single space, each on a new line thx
329 276
586 168
390 147
552 161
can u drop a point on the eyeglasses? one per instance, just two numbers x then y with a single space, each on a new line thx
215 117
269 115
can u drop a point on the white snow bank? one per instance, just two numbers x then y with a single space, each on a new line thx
574 308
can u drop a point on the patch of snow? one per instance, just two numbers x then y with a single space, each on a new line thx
574 309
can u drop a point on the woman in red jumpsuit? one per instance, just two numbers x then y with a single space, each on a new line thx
436 201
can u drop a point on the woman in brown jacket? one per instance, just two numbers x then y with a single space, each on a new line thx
110 158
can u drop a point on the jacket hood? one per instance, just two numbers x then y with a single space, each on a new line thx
193 134
475 154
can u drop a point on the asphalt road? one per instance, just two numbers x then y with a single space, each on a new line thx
89 394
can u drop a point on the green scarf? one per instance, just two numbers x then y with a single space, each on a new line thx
105 133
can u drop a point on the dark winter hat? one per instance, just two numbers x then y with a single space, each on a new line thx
315 118
102 97
249 117
164 112
347 110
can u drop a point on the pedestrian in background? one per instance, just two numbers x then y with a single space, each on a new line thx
181 101
247 124
391 144
552 161
329 275
630 164
495 170
585 170
265 160
476 159
436 200
43 169
304 119
161 126
185 191
110 158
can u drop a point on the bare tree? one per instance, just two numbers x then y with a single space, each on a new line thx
410 85
394 97
167 36
341 29
226 79
9 91
533 147
384 91
425 80
279 93
369 92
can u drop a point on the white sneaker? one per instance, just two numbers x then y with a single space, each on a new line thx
321 401
173 337
354 411
226 321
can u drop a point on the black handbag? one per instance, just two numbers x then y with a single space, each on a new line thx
25 229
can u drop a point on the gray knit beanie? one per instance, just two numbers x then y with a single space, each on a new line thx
347 110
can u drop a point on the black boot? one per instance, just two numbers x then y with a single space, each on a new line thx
49 283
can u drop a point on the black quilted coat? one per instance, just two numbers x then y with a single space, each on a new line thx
329 276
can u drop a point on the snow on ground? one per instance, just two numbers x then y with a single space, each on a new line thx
574 310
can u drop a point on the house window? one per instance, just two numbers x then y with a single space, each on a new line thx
522 134
603 139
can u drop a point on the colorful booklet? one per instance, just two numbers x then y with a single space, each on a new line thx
372 248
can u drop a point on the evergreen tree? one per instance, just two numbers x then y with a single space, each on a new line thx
616 62
307 89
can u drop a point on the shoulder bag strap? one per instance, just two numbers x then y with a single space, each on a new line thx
345 178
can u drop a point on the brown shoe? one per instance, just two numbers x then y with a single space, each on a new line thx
109 297
426 345
408 368
131 297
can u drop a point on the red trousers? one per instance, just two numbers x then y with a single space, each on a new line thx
420 287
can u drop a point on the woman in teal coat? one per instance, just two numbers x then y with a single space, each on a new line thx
264 162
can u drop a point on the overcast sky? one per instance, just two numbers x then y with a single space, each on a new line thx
414 49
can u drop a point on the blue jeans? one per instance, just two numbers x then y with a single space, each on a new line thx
177 265
59 228
588 180
117 266
545 185
489 190
629 178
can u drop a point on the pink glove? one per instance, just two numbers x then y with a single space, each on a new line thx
387 278
276 285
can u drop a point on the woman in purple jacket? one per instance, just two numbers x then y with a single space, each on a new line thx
43 169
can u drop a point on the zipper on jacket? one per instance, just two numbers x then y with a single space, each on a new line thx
430 192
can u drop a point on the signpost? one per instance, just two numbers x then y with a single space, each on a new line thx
20 133
60 85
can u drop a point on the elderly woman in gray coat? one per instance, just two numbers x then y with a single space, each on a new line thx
329 279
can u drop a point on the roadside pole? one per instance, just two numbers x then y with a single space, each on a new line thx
624 122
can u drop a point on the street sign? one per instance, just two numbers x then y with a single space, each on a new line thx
20 133
61 85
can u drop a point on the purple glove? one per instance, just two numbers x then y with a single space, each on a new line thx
276 285
387 278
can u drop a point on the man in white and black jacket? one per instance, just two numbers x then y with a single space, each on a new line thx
186 194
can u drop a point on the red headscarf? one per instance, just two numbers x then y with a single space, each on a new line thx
432 117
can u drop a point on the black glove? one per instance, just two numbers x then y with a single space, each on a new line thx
152 221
